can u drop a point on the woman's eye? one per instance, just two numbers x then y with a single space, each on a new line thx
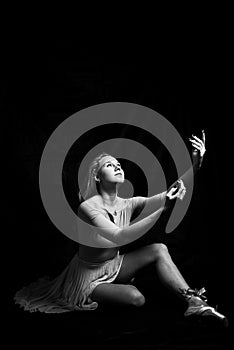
110 164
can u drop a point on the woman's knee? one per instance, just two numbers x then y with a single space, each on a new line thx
159 251
135 297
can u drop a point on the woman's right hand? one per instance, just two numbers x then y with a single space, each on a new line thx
178 190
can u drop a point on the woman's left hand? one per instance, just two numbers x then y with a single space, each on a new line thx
199 144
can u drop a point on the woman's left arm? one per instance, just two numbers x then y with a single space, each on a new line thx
178 188
199 149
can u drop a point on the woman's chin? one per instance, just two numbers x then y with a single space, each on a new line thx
120 181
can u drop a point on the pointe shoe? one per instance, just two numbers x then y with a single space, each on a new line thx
206 311
199 308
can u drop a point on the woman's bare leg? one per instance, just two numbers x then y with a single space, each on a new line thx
169 275
158 255
120 293
109 293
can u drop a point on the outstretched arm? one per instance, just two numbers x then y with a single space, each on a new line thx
178 188
151 204
110 231
199 149
198 152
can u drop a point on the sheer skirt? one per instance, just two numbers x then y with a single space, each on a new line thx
72 289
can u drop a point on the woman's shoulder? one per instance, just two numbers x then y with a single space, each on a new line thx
96 202
93 202
90 208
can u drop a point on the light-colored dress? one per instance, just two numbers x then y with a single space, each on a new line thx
73 288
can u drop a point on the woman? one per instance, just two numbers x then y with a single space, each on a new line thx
98 273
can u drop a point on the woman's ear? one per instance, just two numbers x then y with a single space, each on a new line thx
96 178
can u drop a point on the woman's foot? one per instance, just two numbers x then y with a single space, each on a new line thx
197 306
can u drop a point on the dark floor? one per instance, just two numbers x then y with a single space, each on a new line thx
159 324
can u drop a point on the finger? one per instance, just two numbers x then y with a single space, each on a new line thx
197 138
196 146
173 196
181 193
182 196
172 190
180 184
196 142
203 136
183 186
169 196
181 190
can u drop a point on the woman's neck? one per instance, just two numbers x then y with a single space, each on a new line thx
109 196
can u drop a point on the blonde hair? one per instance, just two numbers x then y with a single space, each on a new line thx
91 184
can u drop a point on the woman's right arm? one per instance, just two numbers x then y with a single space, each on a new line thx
112 232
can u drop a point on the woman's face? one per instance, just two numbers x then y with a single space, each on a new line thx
110 170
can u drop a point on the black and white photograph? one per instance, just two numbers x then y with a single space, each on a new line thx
117 225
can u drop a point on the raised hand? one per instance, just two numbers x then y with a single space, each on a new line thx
199 144
199 148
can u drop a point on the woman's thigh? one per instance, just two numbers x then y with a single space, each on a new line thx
117 294
136 260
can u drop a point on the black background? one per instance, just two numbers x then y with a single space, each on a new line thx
185 79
